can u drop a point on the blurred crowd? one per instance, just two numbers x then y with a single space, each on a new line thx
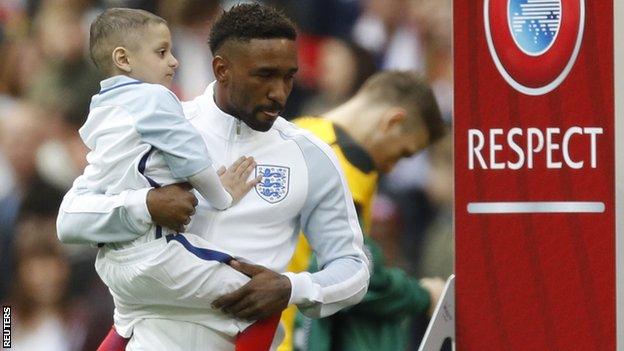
47 80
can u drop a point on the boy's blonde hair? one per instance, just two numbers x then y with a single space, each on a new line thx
117 27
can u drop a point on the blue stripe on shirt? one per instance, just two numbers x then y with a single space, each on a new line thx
152 182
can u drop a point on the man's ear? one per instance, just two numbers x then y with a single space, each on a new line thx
221 68
121 59
392 118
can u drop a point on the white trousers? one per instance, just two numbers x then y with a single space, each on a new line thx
175 281
168 335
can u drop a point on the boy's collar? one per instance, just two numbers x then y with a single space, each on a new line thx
115 81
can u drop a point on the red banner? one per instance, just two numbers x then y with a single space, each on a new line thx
534 120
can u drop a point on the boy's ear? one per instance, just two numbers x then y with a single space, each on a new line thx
120 59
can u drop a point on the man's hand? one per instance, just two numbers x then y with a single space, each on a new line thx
266 294
234 178
434 286
172 206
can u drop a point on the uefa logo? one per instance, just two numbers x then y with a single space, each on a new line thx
534 43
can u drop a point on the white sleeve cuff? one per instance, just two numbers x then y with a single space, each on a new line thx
136 205
303 290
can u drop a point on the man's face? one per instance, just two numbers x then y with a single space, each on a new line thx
152 61
261 76
390 146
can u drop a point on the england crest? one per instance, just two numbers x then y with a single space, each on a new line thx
274 184
534 43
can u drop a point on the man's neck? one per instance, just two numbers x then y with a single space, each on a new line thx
353 117
219 97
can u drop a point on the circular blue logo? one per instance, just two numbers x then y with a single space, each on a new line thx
534 24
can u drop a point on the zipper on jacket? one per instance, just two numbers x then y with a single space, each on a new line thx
230 143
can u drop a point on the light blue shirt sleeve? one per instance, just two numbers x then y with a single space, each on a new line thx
329 222
161 123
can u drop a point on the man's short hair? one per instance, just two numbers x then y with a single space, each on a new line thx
409 90
250 21
117 27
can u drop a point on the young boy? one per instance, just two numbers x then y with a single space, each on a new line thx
139 138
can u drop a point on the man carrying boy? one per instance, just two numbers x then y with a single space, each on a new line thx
302 187
139 138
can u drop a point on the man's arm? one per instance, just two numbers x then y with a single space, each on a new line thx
88 218
330 223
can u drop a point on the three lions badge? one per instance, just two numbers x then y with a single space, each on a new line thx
273 187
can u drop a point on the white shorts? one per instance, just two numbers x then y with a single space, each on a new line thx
176 280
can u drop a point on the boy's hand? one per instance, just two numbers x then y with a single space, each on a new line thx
172 206
234 178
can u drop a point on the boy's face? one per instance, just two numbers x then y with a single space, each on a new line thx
152 61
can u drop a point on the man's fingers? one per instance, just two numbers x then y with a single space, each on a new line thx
184 186
231 298
234 309
246 268
250 312
194 200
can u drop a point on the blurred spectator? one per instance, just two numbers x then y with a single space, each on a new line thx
342 69
322 18
61 38
148 5
432 18
43 317
18 68
437 252
21 133
385 30
66 71
190 22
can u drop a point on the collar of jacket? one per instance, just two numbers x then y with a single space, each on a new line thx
221 123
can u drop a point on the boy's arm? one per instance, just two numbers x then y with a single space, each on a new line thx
162 124
210 183
88 218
